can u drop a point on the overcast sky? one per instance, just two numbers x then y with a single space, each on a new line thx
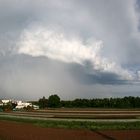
73 48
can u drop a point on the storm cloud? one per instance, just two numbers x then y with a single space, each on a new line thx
77 49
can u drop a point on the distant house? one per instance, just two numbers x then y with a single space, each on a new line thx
6 101
21 104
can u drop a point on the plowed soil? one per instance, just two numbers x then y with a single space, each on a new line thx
21 131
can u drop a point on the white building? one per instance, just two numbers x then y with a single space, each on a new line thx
21 104
6 101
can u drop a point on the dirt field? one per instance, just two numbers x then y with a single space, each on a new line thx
21 131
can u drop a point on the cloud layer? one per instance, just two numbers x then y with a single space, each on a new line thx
41 41
76 48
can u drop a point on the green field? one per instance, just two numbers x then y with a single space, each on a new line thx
77 124
91 119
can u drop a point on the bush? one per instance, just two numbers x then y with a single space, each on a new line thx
7 107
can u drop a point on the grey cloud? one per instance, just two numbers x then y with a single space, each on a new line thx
116 23
86 75
26 77
113 22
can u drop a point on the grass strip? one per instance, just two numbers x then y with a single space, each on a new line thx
77 124
3 138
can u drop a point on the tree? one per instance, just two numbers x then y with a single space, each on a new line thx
54 101
28 108
42 102
8 107
14 105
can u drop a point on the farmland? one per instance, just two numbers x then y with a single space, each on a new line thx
87 114
87 122
24 131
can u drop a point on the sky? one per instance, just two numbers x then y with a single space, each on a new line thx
73 48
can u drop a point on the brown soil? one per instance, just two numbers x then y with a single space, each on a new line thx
22 131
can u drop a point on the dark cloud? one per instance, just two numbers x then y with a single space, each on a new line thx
86 75
26 77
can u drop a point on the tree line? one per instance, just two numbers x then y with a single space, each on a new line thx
54 101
